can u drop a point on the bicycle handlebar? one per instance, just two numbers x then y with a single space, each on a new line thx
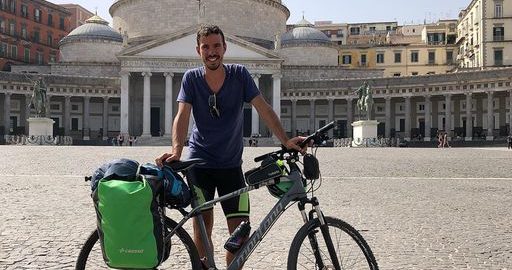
317 136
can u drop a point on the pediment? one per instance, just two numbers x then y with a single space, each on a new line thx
183 45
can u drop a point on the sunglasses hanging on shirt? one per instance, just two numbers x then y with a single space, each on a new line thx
212 103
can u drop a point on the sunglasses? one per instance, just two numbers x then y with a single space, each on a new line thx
212 103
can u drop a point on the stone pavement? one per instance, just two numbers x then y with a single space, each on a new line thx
417 208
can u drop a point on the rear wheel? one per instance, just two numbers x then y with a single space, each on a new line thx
183 252
309 247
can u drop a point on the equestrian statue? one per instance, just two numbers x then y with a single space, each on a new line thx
365 100
38 101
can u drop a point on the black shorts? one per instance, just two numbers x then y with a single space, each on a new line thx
206 181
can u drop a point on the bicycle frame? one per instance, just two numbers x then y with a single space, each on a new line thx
296 193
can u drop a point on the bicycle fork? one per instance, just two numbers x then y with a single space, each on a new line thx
324 228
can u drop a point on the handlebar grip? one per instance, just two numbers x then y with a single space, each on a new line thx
326 127
260 158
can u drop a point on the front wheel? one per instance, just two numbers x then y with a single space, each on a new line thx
183 252
309 247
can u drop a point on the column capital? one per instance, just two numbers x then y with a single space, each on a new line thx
448 95
256 76
8 94
427 97
147 74
124 73
87 98
490 93
106 98
387 97
468 94
330 99
168 74
67 98
277 76
294 100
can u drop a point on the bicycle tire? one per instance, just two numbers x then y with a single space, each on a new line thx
297 256
85 261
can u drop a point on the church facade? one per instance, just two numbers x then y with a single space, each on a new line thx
125 79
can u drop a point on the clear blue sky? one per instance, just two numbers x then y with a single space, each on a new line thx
342 11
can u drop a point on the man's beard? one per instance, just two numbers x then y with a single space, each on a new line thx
213 67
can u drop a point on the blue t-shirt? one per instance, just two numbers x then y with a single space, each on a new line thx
219 141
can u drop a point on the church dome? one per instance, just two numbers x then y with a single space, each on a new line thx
93 42
95 28
304 33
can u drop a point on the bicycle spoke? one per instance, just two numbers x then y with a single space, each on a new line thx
350 255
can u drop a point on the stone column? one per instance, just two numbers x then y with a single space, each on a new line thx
86 115
255 117
7 112
490 118
407 133
27 112
276 93
428 118
48 102
330 114
168 104
350 117
67 115
312 114
125 101
469 119
388 117
146 106
294 118
105 118
448 115
510 113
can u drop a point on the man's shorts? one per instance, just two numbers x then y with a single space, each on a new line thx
206 181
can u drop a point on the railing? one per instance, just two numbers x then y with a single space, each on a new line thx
38 140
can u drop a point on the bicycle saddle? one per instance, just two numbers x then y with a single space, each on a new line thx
183 165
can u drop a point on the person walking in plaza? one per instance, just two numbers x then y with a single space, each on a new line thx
509 141
215 93
445 140
440 139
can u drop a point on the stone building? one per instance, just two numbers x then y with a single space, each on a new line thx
124 79
484 35
79 15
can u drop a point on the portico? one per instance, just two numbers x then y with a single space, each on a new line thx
151 76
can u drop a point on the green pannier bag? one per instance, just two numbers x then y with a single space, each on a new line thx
130 211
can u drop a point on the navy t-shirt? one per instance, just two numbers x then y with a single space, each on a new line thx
219 141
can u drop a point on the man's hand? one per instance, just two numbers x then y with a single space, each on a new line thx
166 158
293 143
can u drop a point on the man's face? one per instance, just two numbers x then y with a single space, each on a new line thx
211 49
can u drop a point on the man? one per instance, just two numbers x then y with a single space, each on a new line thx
216 94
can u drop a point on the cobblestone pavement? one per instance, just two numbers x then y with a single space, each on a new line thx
417 208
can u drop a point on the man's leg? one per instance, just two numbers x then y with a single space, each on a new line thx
208 221
203 191
236 209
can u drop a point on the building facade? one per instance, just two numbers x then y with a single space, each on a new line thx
125 79
485 34
30 32
79 15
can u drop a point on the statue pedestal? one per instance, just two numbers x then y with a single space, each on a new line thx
364 133
40 126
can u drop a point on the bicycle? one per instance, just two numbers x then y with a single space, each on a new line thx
323 242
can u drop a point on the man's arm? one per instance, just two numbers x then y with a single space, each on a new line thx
179 134
180 128
272 121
